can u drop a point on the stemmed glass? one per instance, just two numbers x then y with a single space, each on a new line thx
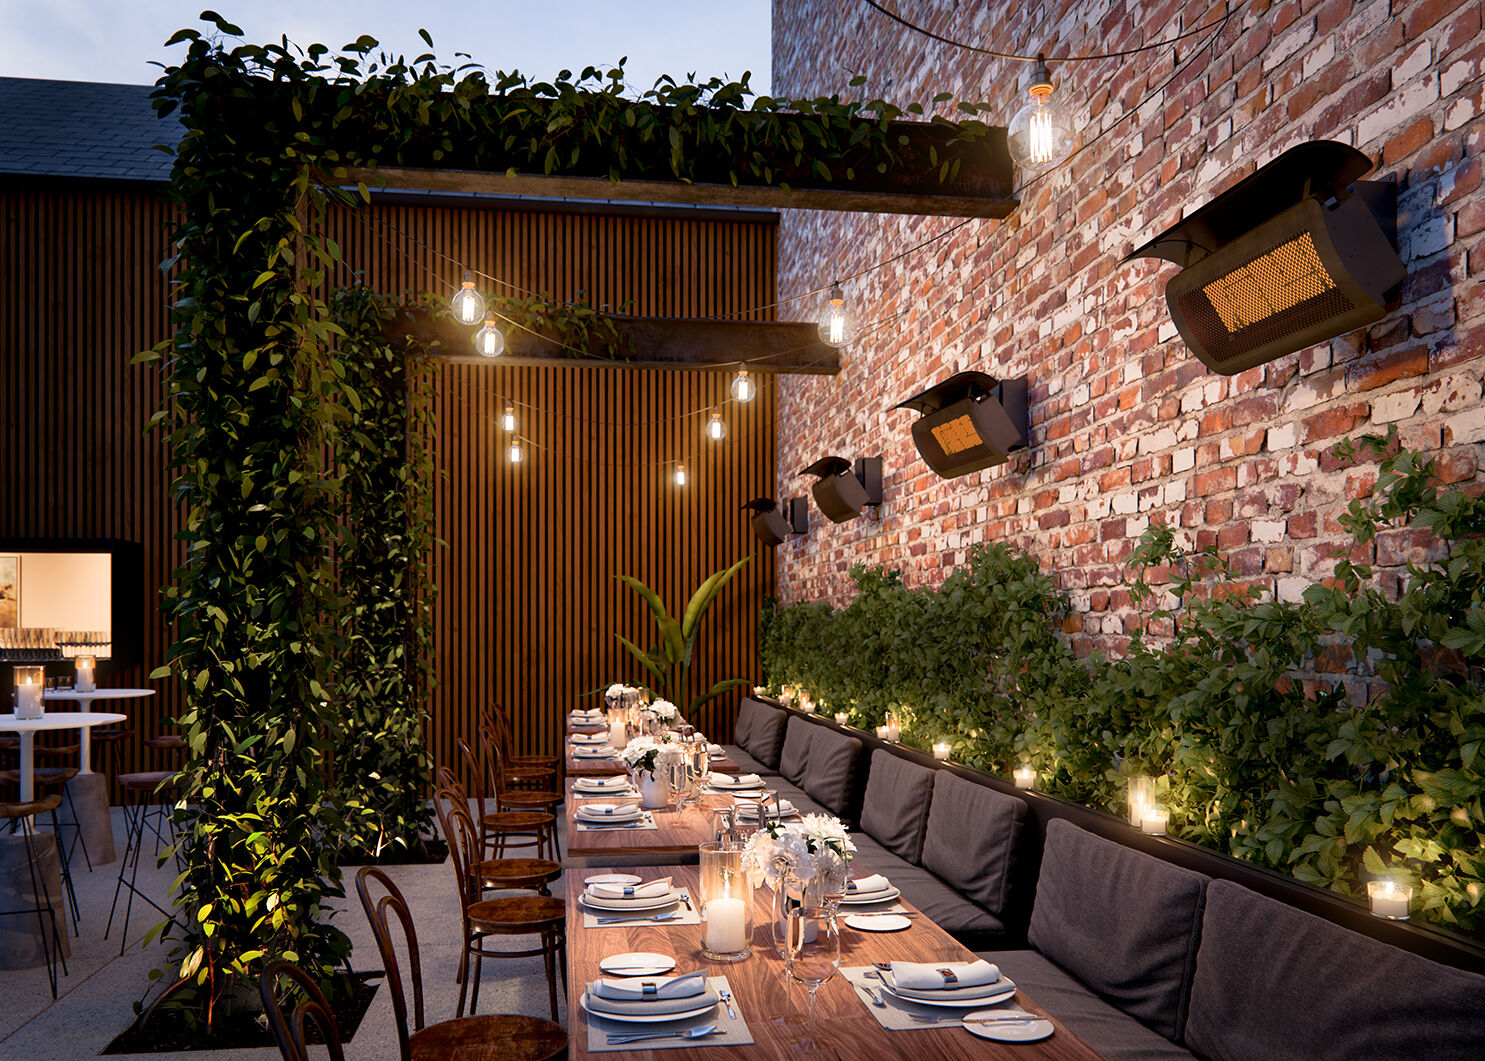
812 956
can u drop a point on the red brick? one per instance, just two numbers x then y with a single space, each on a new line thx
1410 139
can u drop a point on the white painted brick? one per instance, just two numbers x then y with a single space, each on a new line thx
1098 508
1285 437
1183 460
1430 235
1392 407
1292 588
1288 44
1457 75
1165 438
1413 62
1174 491
1133 528
1451 393
1405 103
1318 59
1461 113
1067 493
1124 504
1267 531
1468 426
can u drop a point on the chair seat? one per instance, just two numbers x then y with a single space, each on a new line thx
147 781
103 736
529 773
532 798
42 775
520 914
489 1038
506 820
166 742
545 762
519 872
34 807
57 751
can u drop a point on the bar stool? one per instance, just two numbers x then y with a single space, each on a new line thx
111 742
525 915
519 1038
144 793
56 777
20 816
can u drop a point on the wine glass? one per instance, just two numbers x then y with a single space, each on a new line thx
812 942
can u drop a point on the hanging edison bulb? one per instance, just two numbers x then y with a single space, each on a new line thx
1041 135
489 340
743 386
835 324
515 452
468 304
716 430
508 418
680 475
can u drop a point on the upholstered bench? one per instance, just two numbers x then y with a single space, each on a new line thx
817 768
758 737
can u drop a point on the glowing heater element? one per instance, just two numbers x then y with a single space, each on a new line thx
1289 274
489 341
468 305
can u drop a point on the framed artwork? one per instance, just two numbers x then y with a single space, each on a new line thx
10 592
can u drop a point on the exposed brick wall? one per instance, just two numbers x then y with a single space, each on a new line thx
1127 426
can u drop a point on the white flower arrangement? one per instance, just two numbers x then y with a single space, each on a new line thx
647 754
665 711
817 843
615 691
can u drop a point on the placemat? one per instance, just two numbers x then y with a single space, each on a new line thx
687 917
870 909
604 827
897 1015
732 1031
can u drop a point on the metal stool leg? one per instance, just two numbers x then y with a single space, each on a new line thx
64 864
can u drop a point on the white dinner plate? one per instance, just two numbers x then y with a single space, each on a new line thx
637 963
584 751
617 783
1009 1032
754 787
853 899
624 906
607 812
646 1018
997 992
589 738
879 923
612 878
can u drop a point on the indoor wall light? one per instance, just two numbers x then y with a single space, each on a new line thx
772 524
508 418
468 305
1041 135
489 340
744 387
842 490
716 430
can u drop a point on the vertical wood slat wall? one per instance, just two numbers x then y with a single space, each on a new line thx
528 604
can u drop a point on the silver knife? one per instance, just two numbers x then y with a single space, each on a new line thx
726 996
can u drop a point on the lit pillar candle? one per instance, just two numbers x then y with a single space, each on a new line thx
1390 899
881 733
1141 795
1154 820
618 733
29 682
841 717
942 749
83 682
1025 777
894 731
726 925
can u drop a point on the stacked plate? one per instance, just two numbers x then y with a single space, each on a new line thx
586 718
736 783
868 890
617 785
625 893
582 750
609 813
651 999
747 810
589 738
952 985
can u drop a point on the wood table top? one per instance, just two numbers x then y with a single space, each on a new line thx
607 767
759 991
679 829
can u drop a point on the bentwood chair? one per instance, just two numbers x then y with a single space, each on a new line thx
288 1028
507 795
517 1038
503 831
481 776
483 919
19 818
497 718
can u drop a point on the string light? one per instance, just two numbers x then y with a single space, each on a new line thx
515 452
833 322
468 304
1041 135
680 475
508 418
716 430
489 340
743 387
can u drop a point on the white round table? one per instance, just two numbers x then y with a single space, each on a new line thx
84 703
27 728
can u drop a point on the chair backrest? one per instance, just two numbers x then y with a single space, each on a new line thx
499 720
465 848
288 1030
444 777
495 759
475 766
391 899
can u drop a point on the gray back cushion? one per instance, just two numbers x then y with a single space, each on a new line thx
742 729
971 836
1123 922
794 761
832 767
1276 983
895 809
764 729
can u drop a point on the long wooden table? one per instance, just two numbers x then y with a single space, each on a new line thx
679 829
760 994
576 767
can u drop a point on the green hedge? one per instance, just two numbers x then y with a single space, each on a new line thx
1257 750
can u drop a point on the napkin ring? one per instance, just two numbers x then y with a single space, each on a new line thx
948 975
649 987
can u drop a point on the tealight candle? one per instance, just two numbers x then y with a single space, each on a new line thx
841 717
1154 820
942 749
894 731
1390 899
83 682
29 682
1025 777
881 733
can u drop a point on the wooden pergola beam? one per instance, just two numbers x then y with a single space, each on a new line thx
654 342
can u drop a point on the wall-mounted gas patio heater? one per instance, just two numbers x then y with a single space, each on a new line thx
969 421
1299 252
843 490
773 523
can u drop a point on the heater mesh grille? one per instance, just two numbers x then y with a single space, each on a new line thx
956 435
1282 291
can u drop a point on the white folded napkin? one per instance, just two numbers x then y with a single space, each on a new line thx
738 781
650 987
608 810
925 976
875 883
653 889
749 808
714 749
617 783
593 751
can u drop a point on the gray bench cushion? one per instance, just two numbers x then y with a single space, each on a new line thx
794 760
1274 983
832 768
1115 1035
895 810
970 839
760 730
950 910
1123 922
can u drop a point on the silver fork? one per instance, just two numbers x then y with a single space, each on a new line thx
690 1033
637 920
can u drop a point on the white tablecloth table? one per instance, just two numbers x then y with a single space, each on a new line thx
27 728
84 703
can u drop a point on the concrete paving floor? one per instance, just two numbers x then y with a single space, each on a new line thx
96 997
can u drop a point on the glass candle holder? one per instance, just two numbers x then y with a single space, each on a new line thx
29 685
1025 777
1154 820
881 733
83 681
1141 795
1392 899
841 717
942 749
726 902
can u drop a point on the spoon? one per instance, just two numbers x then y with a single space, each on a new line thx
690 1033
